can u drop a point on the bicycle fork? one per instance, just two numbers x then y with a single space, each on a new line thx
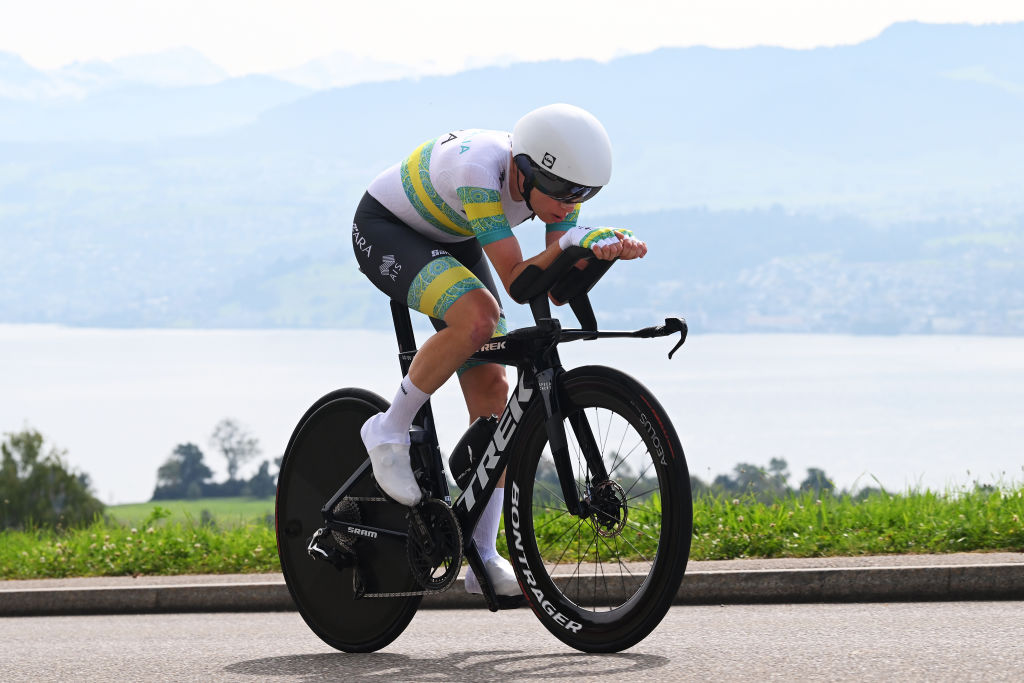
555 403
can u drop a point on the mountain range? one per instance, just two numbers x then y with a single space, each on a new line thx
162 195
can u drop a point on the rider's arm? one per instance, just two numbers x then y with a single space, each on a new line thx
485 214
507 258
490 226
487 219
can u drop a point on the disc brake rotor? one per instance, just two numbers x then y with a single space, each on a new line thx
610 509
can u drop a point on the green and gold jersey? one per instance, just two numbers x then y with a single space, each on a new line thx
455 187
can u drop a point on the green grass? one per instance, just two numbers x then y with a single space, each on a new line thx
155 546
226 511
807 526
184 542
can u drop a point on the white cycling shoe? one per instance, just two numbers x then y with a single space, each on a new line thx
391 468
499 571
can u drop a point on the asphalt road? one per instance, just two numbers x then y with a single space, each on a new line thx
907 641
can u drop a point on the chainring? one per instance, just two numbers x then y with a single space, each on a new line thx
435 561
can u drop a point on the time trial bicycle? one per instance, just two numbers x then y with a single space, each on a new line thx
597 513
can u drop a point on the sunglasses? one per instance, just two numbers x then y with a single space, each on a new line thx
547 183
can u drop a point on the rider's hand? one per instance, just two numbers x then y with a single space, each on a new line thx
588 238
631 247
606 243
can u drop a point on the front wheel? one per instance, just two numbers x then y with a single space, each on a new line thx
601 582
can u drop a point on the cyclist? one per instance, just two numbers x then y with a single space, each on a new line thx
420 234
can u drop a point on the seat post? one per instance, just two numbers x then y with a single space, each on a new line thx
423 431
404 334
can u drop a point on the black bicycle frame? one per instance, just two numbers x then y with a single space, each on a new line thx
534 353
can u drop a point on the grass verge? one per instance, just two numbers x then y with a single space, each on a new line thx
155 546
224 511
808 526
799 526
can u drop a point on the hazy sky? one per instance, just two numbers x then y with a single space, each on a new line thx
246 36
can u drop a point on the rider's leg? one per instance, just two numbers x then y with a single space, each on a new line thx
485 388
471 320
462 303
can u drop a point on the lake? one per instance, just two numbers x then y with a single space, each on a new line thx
912 411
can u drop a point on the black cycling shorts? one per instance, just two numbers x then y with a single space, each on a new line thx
425 275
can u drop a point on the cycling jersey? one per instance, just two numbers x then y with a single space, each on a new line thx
419 230
456 187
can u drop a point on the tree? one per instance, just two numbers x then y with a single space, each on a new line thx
779 478
698 488
235 444
262 483
817 481
764 485
183 474
41 489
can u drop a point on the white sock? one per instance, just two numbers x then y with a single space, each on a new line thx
393 426
485 534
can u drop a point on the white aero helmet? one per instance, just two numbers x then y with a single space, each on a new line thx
562 151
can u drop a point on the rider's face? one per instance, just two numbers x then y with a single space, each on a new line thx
548 209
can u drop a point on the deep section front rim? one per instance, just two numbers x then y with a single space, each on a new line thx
603 581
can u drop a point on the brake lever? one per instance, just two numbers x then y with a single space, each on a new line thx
671 326
676 325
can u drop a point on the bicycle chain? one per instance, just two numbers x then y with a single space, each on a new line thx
405 594
396 594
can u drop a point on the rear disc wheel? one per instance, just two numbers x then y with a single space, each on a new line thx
324 451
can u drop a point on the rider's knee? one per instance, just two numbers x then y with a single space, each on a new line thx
482 329
480 320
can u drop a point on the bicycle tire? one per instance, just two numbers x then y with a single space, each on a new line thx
324 450
623 415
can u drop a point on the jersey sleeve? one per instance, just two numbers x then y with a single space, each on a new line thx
484 213
567 224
